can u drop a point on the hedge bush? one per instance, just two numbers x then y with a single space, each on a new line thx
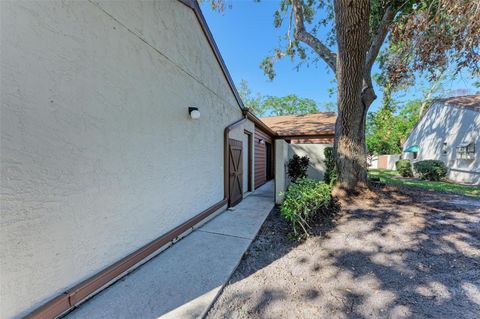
330 176
431 170
404 168
297 167
302 200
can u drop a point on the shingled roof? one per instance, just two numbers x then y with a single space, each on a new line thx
471 102
302 125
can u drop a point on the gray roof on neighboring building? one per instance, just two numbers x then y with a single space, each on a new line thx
470 102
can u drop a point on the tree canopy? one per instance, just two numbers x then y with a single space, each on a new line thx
274 105
426 37
390 126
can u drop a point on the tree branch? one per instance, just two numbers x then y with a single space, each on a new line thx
378 38
368 93
306 37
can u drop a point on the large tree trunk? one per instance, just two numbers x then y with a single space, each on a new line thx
352 28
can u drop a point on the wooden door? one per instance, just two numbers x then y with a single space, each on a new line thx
236 172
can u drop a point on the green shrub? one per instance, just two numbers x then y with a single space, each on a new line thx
297 167
431 170
404 168
330 176
302 200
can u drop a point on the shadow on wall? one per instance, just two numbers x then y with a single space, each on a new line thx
453 126
412 256
316 169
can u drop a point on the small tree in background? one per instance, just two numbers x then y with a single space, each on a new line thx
297 167
253 101
404 168
289 105
330 171
262 105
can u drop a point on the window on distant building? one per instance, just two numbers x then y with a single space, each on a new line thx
444 148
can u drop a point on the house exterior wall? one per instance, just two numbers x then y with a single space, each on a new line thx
281 178
98 153
387 161
285 151
373 162
316 169
453 126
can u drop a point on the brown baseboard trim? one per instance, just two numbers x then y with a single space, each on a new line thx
80 292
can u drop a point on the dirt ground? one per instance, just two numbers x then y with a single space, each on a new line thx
401 254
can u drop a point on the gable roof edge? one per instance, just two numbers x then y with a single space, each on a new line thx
193 4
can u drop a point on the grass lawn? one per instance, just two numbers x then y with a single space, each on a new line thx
392 177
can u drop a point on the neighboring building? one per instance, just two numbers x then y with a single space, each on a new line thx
449 131
121 130
308 135
383 161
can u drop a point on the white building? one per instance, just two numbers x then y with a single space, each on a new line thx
450 131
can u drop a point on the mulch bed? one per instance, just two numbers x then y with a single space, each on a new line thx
398 253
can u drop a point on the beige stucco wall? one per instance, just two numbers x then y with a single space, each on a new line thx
281 178
284 152
454 126
98 153
316 168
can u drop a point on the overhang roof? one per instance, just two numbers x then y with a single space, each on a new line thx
315 124
470 102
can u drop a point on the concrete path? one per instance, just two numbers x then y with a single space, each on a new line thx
184 280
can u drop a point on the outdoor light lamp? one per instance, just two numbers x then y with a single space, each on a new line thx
194 113
260 141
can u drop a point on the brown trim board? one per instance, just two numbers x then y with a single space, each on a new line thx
299 136
83 290
252 117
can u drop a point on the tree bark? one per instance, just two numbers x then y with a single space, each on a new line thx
354 95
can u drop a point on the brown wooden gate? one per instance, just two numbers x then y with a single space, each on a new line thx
236 172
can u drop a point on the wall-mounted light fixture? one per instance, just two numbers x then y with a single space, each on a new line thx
261 141
194 113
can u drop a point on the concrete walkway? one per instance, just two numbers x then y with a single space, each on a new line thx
184 280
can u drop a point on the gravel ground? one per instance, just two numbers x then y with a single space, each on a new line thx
397 254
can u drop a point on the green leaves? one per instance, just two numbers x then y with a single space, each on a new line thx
387 129
302 200
330 176
274 105
404 168
432 170
289 105
253 102
267 66
297 167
